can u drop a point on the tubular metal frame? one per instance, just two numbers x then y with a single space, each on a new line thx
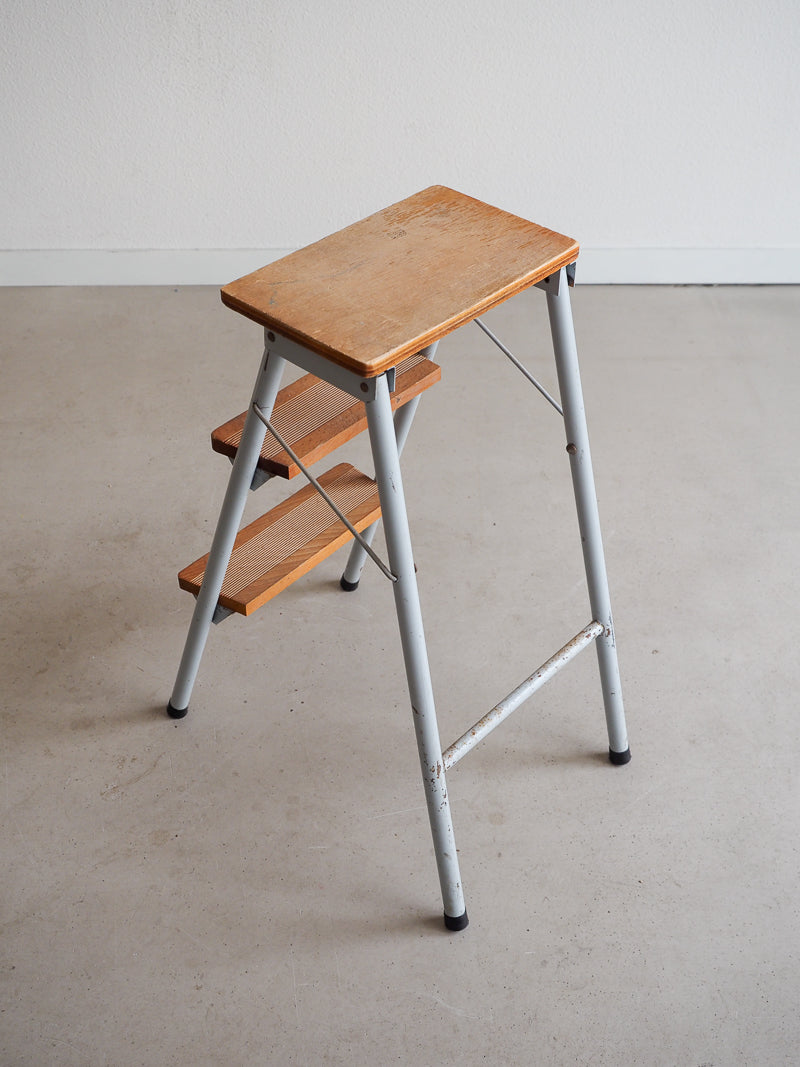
387 436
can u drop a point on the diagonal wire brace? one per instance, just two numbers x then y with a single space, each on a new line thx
519 366
313 481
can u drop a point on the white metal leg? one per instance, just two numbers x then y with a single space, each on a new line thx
230 517
403 418
409 616
563 332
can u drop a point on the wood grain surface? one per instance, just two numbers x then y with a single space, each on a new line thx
380 290
283 545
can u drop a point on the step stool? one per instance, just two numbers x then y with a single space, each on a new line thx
362 311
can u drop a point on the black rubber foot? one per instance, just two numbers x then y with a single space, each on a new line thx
461 922
176 713
347 586
619 758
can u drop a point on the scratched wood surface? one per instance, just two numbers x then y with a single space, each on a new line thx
377 291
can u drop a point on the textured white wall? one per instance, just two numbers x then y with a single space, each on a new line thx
644 130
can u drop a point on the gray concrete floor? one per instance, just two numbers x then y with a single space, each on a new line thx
255 884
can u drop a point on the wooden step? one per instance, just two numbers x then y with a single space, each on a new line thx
281 546
315 417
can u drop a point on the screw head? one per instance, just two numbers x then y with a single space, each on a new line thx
364 387
270 336
572 449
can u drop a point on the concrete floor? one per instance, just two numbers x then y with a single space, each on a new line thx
255 884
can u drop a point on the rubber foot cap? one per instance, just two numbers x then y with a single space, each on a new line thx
459 922
176 713
619 758
347 586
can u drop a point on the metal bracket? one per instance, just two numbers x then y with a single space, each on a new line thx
259 478
346 380
552 284
220 614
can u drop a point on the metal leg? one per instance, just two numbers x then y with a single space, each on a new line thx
401 560
403 418
230 517
569 381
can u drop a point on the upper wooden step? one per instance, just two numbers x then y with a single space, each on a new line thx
379 290
281 546
315 417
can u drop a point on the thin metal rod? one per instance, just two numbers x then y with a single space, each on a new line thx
526 689
328 500
518 365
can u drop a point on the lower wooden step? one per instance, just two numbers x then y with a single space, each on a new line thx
314 417
281 546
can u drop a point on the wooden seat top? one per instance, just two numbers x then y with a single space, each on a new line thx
378 291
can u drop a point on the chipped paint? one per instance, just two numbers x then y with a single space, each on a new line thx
526 689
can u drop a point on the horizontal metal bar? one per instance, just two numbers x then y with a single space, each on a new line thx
346 380
527 688
518 365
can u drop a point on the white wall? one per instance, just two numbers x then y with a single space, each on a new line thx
159 140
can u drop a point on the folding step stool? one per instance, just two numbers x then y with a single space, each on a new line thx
362 312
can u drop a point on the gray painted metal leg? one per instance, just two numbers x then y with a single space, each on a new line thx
403 418
561 326
409 616
244 467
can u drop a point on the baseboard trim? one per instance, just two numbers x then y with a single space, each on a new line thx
132 266
689 266
597 266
